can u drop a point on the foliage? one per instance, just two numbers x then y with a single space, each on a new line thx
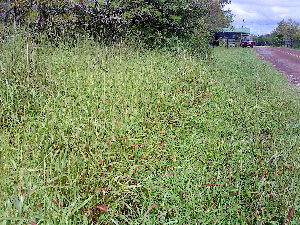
154 22
263 40
285 30
93 134
217 17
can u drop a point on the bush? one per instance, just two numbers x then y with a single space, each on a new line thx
154 23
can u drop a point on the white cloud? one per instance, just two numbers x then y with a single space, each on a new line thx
262 16
280 10
243 13
285 3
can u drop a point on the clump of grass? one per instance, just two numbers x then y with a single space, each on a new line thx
114 135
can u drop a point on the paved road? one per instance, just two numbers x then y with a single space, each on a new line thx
285 60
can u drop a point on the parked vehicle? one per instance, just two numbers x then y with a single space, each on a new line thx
247 43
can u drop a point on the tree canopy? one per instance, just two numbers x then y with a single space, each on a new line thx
113 19
286 29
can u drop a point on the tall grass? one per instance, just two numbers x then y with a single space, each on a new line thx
115 135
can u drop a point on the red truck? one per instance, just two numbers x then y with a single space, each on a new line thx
247 43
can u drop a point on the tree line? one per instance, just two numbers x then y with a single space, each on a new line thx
287 32
153 22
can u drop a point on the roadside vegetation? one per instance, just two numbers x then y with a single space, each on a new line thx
120 112
119 135
154 24
286 30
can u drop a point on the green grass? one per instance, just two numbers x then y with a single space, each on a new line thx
115 135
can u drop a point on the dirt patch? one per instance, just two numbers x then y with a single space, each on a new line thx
286 61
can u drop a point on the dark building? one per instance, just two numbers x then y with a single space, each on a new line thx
231 36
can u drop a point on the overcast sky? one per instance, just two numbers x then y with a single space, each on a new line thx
262 16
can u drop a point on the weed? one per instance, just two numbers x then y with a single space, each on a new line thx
113 135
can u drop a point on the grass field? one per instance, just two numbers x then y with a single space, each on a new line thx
116 135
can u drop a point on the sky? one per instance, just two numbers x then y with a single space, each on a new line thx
262 16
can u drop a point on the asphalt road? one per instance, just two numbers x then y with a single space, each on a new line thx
286 61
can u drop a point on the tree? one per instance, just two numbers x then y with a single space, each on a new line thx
153 21
218 17
286 30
